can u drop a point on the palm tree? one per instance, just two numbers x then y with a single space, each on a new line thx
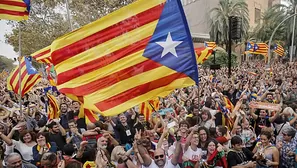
269 20
219 21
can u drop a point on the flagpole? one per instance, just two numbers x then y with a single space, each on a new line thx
68 15
20 73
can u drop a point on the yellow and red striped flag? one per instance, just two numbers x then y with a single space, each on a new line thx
202 54
278 49
14 9
210 45
261 48
148 107
89 115
126 58
27 80
43 55
249 47
53 107
229 104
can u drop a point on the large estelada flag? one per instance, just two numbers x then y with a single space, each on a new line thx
132 55
29 77
43 55
278 49
17 10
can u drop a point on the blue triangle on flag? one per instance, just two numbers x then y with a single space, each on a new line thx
30 69
171 44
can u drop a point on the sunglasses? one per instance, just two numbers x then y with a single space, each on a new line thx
285 134
159 156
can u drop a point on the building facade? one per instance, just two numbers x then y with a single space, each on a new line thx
197 13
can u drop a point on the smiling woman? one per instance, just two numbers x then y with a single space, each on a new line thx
24 145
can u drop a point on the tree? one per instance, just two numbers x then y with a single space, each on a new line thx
221 59
48 21
269 21
219 21
6 63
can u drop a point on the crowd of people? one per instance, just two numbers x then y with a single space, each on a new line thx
219 124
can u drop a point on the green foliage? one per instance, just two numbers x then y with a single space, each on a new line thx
221 59
271 18
48 21
219 21
6 63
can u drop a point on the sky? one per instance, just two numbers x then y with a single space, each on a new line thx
5 49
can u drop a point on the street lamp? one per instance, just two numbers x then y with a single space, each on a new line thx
293 32
270 40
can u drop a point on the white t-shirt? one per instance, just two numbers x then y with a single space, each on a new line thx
193 155
26 151
168 164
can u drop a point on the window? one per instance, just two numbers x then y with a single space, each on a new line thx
257 15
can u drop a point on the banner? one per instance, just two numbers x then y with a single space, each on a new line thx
265 106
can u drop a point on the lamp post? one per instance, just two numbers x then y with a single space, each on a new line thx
270 40
293 33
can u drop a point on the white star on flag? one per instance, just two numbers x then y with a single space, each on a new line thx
169 46
33 69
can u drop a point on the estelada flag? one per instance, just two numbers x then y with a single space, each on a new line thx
126 58
17 10
28 78
148 107
210 45
278 49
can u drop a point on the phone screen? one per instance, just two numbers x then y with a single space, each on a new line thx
60 155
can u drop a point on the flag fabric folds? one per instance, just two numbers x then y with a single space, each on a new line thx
126 58
30 69
17 10
148 107
229 104
202 54
210 45
261 48
250 47
43 55
89 115
256 48
278 49
53 107
27 80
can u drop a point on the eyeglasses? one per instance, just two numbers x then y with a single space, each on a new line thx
159 156
285 134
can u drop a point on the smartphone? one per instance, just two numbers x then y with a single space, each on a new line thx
59 153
